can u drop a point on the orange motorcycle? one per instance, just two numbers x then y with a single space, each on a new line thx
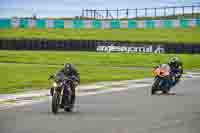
162 80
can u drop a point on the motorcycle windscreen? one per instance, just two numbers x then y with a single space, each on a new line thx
60 76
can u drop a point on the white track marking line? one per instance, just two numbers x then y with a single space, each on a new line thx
131 85
28 102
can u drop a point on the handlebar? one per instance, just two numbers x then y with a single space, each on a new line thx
63 78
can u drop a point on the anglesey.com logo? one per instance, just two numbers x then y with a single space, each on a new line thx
135 49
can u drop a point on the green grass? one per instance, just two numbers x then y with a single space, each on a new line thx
27 70
26 77
95 59
173 35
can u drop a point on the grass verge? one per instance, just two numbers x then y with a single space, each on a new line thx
21 77
53 58
28 70
171 35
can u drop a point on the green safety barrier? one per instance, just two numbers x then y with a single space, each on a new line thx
115 24
184 23
167 23
40 23
23 23
132 24
78 24
5 23
149 24
58 23
96 24
198 22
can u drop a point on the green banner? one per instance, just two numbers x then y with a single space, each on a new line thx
23 23
167 23
132 24
40 23
96 24
5 23
184 23
115 24
149 24
78 24
58 23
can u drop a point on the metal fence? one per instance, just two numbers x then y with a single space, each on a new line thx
193 10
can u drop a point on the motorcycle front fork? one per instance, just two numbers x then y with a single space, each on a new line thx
66 97
61 96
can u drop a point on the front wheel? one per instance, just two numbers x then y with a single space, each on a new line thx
55 102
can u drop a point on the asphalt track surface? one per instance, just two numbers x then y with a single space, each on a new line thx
128 111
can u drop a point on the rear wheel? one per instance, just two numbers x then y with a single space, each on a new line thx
166 91
55 102
68 109
68 106
155 86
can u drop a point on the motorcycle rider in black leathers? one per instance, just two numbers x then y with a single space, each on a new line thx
176 67
71 72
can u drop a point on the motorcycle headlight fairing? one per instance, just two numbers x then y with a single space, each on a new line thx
55 84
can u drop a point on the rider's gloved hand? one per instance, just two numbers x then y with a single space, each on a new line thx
50 77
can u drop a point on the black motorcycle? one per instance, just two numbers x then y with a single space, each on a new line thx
61 92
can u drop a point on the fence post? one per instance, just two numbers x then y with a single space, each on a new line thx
127 12
117 13
155 13
136 12
94 14
183 10
192 10
165 11
107 13
87 12
145 12
83 12
174 11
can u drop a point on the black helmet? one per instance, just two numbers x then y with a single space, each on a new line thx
174 61
67 67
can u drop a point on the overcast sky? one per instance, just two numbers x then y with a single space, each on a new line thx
69 8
